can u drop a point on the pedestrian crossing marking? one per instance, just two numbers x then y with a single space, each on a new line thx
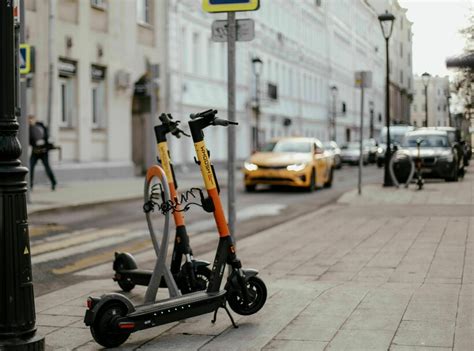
103 257
75 240
93 241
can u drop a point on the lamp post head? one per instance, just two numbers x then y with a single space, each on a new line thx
386 23
334 91
425 78
257 65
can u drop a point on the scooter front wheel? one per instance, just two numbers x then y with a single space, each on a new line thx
257 293
103 330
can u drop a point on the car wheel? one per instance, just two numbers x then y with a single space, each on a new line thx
312 182
328 184
250 188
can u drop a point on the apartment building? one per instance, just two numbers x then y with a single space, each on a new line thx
438 105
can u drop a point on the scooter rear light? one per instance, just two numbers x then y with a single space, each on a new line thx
126 325
91 301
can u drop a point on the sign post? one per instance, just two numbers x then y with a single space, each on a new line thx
231 6
363 79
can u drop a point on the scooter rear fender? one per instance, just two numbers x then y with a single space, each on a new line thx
99 302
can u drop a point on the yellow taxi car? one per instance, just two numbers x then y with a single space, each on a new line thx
291 161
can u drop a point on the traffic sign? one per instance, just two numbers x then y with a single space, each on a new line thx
25 58
245 30
230 5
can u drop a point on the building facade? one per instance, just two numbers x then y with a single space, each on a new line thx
438 104
401 68
102 51
98 50
306 50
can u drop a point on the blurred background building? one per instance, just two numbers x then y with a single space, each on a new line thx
102 51
438 105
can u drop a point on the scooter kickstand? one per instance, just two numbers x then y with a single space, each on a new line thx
224 306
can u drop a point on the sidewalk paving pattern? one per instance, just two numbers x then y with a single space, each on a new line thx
390 270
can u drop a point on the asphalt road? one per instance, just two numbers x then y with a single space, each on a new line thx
73 241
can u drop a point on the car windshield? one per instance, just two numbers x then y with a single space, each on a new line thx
287 146
395 138
427 140
328 146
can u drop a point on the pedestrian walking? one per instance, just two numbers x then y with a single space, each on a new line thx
39 141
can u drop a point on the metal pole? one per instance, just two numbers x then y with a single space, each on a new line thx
24 131
257 111
388 154
359 183
153 73
450 123
231 116
49 110
334 131
17 304
426 105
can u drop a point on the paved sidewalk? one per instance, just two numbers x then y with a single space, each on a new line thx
391 270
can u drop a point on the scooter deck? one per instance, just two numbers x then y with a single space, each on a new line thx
175 309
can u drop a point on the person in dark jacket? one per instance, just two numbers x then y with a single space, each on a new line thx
40 149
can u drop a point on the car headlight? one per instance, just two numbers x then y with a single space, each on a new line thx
250 166
447 156
296 167
380 150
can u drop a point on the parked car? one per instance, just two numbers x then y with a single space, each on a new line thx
397 135
298 162
332 147
439 158
372 146
454 136
350 153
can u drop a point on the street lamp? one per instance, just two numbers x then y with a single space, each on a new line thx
386 23
17 304
425 78
257 66
333 120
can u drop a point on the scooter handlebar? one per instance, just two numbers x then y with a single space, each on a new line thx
204 114
223 122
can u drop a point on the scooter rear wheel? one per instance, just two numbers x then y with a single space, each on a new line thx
103 329
258 295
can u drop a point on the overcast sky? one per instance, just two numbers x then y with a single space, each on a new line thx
436 25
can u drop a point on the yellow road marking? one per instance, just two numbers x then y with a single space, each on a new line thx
103 257
38 230
75 240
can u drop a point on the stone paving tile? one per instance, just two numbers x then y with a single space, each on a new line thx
418 348
68 338
433 333
65 310
373 319
464 339
361 340
292 345
47 320
303 328
182 343
431 311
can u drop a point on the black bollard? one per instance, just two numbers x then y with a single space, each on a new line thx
17 304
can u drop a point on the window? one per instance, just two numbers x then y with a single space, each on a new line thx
67 107
401 49
196 54
439 108
144 11
98 105
318 3
344 108
415 108
401 77
100 4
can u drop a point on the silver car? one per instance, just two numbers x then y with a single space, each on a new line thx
350 153
333 148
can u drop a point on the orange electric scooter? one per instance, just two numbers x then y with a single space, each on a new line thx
113 317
